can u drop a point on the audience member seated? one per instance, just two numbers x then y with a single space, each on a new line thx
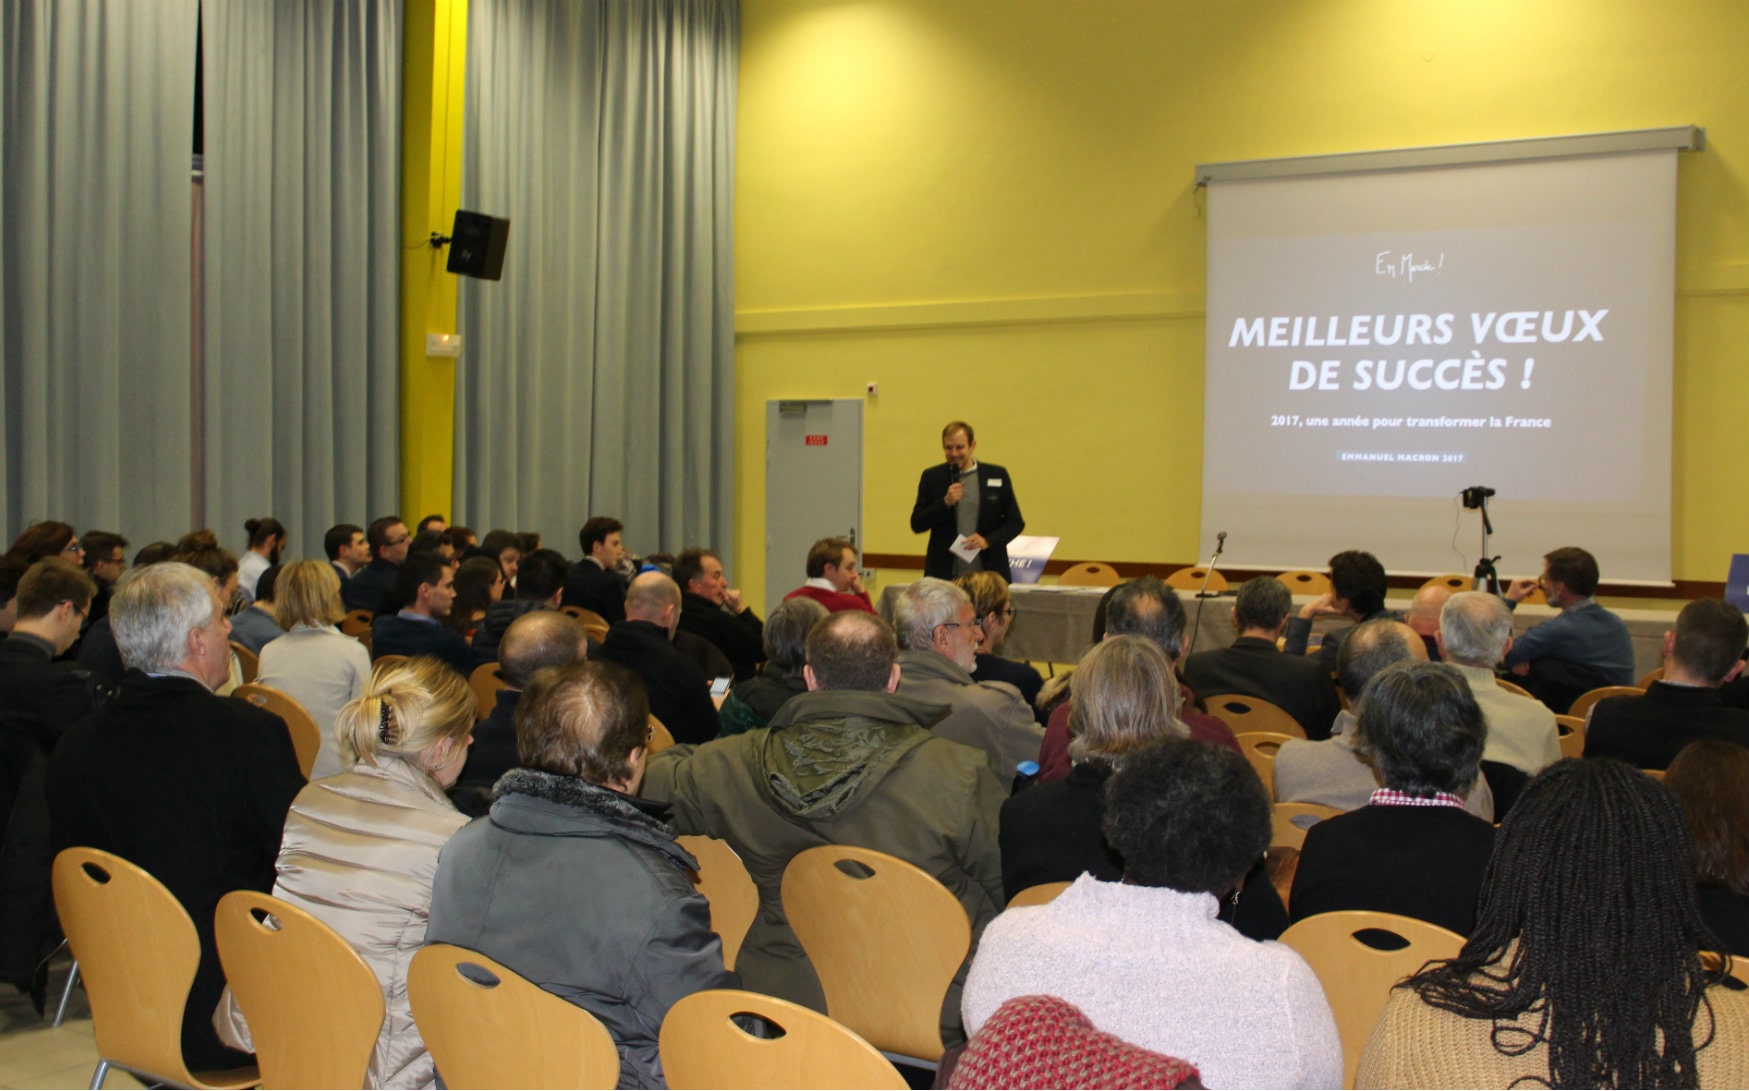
435 523
97 648
192 787
679 693
1254 667
253 626
1125 699
433 541
595 583
753 703
1145 958
1358 587
1701 654
40 698
427 586
1143 607
849 763
315 663
938 634
712 610
106 560
389 541
360 848
464 538
1711 780
501 545
540 582
1423 616
47 539
833 579
1583 648
266 543
347 551
534 642
1412 850
574 882
1475 634
1331 772
11 571
993 606
1584 969
1043 1042
479 584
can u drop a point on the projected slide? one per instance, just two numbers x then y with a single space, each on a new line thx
1376 343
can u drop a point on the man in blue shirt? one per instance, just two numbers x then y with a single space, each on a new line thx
1583 648
427 585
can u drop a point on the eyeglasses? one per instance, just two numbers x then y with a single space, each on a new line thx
72 548
960 625
398 541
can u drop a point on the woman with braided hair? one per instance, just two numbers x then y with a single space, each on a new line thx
1584 969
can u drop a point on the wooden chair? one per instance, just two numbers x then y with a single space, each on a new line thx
1513 687
659 738
306 737
1190 579
593 623
1357 977
486 682
1656 674
886 939
1655 774
137 953
1042 894
1583 704
1451 581
487 1026
1090 574
356 624
1304 581
314 1007
1572 735
383 662
1259 748
723 880
1253 714
248 660
1289 834
703 1048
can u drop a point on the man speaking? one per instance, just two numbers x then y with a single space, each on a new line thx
963 498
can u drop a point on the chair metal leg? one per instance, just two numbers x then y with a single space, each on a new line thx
67 994
97 1077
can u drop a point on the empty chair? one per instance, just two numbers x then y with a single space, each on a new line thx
314 1008
702 1047
306 737
1451 581
1304 581
1089 574
1586 701
1042 894
1357 976
885 939
487 1026
247 661
1290 821
1243 713
137 953
1260 749
1191 579
723 880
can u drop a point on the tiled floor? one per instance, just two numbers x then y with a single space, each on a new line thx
33 1054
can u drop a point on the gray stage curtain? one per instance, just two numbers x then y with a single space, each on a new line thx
597 376
302 247
96 142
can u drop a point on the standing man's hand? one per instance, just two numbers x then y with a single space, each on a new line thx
977 542
954 492
732 599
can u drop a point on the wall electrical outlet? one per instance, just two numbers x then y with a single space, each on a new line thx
873 389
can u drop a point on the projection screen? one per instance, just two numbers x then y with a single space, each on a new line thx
1379 341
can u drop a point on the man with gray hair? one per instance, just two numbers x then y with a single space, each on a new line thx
938 632
192 787
752 702
1475 634
680 695
1332 772
1254 667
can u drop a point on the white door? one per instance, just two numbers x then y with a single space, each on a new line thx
813 485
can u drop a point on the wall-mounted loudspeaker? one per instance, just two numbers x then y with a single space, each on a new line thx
476 247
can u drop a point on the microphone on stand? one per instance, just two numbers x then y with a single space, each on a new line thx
1203 594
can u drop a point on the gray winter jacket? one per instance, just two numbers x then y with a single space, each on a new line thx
584 892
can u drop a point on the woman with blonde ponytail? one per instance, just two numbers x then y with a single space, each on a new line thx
360 848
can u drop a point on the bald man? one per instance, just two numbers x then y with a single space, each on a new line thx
680 695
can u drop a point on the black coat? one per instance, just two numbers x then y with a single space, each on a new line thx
1252 667
594 588
1648 732
392 634
999 518
365 590
740 637
680 695
1421 862
41 697
194 789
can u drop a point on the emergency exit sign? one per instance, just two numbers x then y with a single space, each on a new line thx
815 441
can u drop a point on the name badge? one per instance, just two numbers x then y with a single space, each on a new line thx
994 483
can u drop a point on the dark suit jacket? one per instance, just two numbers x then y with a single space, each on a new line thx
594 588
1421 862
396 635
740 637
1647 732
40 697
680 696
1253 668
194 789
999 518
367 588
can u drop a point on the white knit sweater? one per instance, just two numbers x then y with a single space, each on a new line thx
1154 967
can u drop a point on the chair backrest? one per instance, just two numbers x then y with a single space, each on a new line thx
1513 687
1190 579
1656 674
314 1007
1253 714
885 938
1358 977
1572 736
1090 574
1451 581
486 682
702 1047
660 738
1288 823
1260 748
1583 704
593 623
137 953
306 737
1304 581
248 660
1655 774
487 1026
356 623
1042 894
723 880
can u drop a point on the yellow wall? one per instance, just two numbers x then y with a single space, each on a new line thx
987 207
